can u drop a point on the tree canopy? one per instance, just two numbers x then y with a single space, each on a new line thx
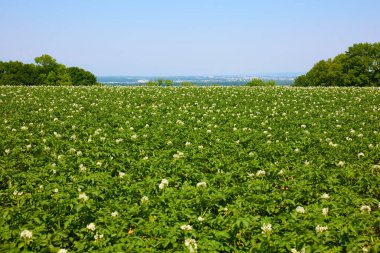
256 82
359 66
45 71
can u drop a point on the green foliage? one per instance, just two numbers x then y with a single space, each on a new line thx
160 82
168 82
46 72
17 73
151 83
186 84
359 66
256 82
235 159
81 77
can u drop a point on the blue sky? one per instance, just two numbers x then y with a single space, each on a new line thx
174 37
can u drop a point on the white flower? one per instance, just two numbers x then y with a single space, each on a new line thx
187 144
98 237
55 190
266 229
325 196
114 214
169 143
83 196
98 164
180 122
200 147
303 126
91 226
209 131
361 154
24 128
26 234
144 199
297 150
200 219
260 173
325 211
281 172
145 158
300 209
163 184
340 163
186 227
119 140
191 244
201 184
82 167
296 251
178 155
134 137
365 209
57 135
17 193
121 174
7 151
62 251
320 229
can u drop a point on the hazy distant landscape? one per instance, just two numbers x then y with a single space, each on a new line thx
279 78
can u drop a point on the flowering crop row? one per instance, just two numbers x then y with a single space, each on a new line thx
217 169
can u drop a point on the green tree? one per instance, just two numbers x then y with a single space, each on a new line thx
186 84
18 73
81 77
168 82
256 82
46 71
152 83
46 62
359 66
363 65
160 82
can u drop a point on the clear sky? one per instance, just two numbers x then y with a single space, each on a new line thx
180 37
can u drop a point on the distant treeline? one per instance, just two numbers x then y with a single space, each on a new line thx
253 82
45 71
358 66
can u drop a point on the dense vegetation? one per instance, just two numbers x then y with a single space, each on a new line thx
105 169
167 83
256 82
359 66
46 71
